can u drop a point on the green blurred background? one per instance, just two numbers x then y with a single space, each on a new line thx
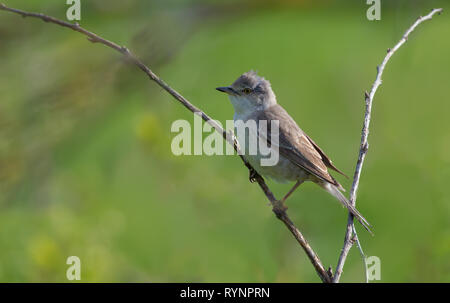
86 167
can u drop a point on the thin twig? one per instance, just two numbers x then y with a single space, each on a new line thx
350 236
279 211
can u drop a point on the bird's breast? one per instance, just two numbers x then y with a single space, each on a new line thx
280 169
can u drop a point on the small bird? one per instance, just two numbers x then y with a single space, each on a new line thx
300 158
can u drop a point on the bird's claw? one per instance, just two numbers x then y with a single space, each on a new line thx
252 175
280 205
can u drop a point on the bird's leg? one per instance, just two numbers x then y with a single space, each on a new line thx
297 184
280 207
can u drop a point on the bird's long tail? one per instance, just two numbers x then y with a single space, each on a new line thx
332 189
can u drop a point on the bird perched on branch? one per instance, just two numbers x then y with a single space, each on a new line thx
299 158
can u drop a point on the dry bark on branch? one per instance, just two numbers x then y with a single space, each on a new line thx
350 236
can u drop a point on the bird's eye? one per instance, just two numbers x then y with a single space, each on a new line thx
247 90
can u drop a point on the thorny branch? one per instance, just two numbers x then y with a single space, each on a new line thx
350 236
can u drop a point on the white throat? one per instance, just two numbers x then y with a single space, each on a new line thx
244 107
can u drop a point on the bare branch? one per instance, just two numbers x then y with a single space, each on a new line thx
350 235
279 211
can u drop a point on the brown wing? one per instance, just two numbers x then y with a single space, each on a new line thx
325 158
295 145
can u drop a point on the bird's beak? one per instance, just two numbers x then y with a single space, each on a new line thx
227 89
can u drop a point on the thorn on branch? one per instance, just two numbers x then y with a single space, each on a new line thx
365 147
330 272
366 95
388 50
279 208
125 50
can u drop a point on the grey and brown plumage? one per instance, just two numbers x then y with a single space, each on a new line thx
300 158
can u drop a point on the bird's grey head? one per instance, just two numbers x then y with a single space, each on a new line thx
250 92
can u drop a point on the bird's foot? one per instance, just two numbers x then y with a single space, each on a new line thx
279 207
252 175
